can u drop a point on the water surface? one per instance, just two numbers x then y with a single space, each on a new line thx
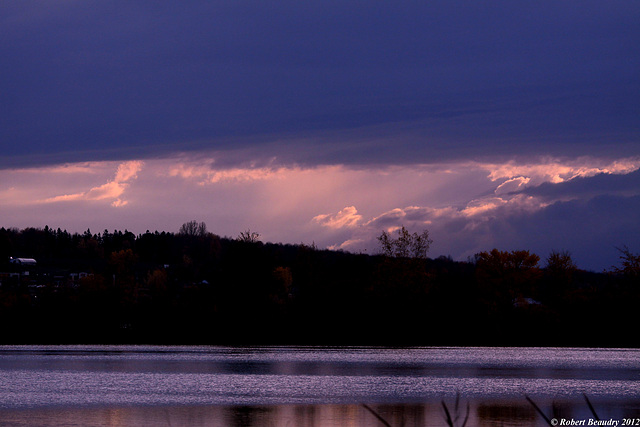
158 385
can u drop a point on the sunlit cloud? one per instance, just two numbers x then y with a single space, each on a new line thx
491 207
128 170
512 185
347 245
125 173
207 171
205 175
118 203
556 171
416 215
32 186
347 217
241 175
477 207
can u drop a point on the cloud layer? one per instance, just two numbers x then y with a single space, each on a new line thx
318 82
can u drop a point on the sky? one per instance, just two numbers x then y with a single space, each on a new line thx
497 124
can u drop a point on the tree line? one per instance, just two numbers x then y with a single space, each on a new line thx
195 287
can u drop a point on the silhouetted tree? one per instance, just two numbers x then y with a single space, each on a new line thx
248 236
558 276
193 229
406 245
630 263
560 262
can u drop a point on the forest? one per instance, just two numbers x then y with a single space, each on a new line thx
195 287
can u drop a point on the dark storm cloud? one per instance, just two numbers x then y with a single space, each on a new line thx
356 83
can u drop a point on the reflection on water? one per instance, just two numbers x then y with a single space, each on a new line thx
430 414
215 386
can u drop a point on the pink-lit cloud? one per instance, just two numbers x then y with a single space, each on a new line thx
113 189
347 217
89 168
512 185
556 171
207 172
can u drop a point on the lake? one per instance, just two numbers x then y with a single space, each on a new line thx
313 386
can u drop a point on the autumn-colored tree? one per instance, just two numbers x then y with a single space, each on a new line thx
157 281
504 276
500 262
123 262
89 247
282 280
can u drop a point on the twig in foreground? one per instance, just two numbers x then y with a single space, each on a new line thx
538 409
375 414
